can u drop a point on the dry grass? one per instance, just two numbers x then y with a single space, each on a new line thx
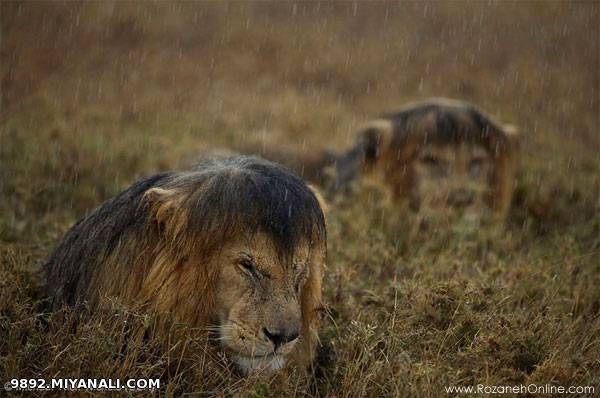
97 95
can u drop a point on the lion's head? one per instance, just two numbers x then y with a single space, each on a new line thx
260 304
445 157
236 245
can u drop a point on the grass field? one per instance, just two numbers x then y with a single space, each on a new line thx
97 95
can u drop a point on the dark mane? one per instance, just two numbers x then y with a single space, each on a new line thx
446 122
90 240
249 194
221 199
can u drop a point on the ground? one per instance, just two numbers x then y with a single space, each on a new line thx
98 95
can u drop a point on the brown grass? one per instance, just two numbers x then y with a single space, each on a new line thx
97 95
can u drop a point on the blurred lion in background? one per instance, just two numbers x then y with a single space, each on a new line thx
443 158
237 245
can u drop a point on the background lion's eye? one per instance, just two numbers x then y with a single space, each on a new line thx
430 160
475 166
435 166
434 163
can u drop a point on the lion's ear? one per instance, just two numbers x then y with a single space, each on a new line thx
374 139
322 203
511 130
165 209
512 135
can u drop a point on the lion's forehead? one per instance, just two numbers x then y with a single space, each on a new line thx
464 151
262 250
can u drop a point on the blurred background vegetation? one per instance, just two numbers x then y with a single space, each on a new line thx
96 95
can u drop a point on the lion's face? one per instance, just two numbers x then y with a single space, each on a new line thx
258 302
452 181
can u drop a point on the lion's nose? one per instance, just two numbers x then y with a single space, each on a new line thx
280 337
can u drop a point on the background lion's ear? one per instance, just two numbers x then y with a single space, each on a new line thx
375 139
511 132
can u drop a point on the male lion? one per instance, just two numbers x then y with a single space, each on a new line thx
236 243
440 156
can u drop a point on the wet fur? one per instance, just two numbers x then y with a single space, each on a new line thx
145 244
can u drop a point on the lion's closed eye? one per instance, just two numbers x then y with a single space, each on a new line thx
248 267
